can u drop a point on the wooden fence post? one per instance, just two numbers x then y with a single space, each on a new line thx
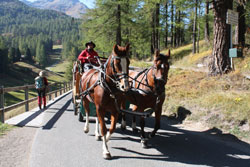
56 90
49 89
60 88
27 98
64 87
2 104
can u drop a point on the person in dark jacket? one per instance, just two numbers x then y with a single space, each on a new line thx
41 86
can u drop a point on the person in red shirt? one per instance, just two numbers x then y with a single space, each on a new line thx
87 56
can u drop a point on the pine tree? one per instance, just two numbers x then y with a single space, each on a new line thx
3 56
17 56
11 55
28 55
220 62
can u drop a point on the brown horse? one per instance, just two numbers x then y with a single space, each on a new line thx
148 91
104 88
77 74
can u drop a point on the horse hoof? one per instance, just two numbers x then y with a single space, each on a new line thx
86 131
123 128
150 135
107 156
144 143
98 138
135 131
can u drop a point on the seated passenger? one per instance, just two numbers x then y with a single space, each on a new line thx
87 56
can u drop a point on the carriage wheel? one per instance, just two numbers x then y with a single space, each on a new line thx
80 117
75 109
72 99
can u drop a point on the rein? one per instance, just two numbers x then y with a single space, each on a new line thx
145 72
150 111
102 77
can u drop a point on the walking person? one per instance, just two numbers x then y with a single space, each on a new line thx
41 84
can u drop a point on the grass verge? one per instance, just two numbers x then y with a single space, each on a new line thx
4 128
221 101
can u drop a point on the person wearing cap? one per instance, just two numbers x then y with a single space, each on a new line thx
87 56
41 89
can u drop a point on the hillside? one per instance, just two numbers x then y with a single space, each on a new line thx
72 8
18 19
23 72
199 100
17 73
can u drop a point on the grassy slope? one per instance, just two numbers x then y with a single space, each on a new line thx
221 101
22 73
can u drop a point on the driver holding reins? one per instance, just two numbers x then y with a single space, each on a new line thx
87 56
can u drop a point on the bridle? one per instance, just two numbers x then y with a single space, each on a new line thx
156 80
119 76
102 70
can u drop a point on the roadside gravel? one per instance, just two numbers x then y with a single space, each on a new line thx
15 147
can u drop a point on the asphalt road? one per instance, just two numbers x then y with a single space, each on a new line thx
61 142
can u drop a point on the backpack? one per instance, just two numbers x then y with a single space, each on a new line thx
39 83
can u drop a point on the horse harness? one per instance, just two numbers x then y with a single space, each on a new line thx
145 72
102 79
144 92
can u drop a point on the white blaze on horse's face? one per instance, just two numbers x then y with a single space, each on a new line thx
160 71
124 81
121 66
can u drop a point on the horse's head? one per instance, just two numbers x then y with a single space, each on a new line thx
160 71
119 66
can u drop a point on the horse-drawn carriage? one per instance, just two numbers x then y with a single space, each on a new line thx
77 73
78 70
111 85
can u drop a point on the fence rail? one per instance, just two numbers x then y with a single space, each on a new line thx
63 87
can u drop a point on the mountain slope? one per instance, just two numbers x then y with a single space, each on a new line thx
72 8
18 19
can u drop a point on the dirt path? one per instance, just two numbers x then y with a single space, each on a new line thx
15 147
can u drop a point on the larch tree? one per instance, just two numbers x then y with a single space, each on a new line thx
219 60
240 29
195 26
206 30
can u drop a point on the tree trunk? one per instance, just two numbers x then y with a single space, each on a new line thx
182 36
118 31
127 28
198 34
219 60
195 27
179 29
175 28
172 23
166 26
207 21
241 28
153 33
157 26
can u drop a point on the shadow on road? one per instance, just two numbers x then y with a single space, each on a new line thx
188 147
55 118
37 113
